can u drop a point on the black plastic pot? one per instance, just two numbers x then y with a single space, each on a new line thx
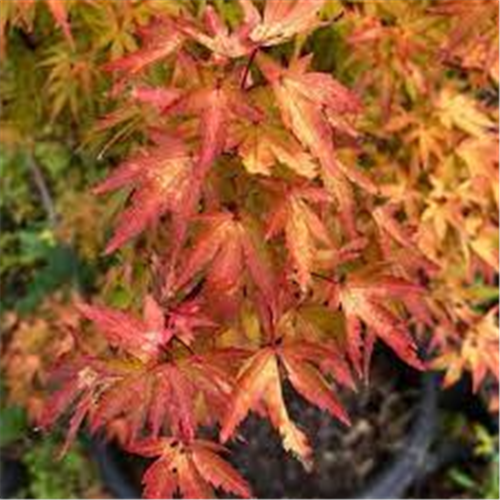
13 477
408 465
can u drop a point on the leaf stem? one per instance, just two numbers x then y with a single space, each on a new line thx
247 68
324 278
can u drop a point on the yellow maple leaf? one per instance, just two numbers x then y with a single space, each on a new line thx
460 111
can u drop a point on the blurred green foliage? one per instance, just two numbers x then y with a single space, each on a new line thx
485 481
67 477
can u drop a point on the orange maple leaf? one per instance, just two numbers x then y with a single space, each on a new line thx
305 233
226 253
191 468
307 101
477 351
161 177
159 40
259 387
363 299
141 338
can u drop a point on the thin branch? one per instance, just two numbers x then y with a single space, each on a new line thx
247 68
43 190
324 278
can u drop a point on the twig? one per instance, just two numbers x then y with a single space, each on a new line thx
247 68
43 190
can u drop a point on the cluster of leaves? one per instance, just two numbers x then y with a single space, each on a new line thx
35 342
432 111
73 476
249 227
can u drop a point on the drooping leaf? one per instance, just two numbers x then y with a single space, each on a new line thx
161 177
362 300
282 20
259 386
225 253
190 468
305 232
259 383
160 39
305 99
141 338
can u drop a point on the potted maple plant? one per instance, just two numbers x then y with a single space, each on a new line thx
268 244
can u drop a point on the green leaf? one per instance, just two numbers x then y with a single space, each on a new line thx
462 479
13 424
53 156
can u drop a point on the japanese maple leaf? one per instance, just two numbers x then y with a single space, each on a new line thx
145 396
141 338
152 397
282 19
216 106
214 34
364 298
481 156
475 350
159 39
305 233
306 100
459 110
429 140
147 337
389 225
192 469
259 386
79 381
160 176
226 253
262 146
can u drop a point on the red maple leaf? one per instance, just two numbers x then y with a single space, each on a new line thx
192 468
363 298
217 104
259 387
226 254
148 397
306 101
160 39
141 338
305 233
160 176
